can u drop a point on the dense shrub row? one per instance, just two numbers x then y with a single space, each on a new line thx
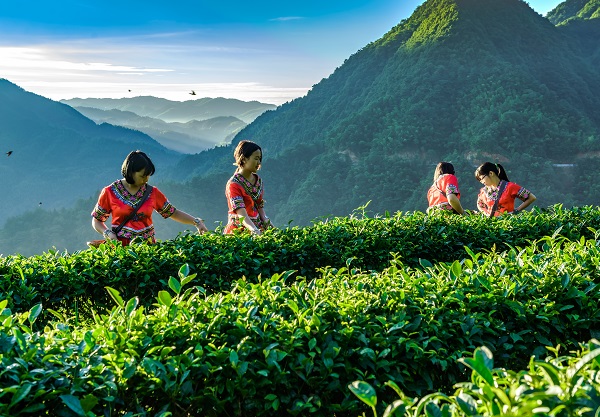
75 282
289 345
560 386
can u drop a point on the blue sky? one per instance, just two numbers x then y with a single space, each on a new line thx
270 51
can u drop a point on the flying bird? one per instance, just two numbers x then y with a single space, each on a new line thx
193 93
129 91
9 153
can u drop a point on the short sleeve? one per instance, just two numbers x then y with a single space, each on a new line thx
162 204
235 195
523 194
450 184
102 209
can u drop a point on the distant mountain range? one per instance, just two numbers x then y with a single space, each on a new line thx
190 137
188 127
460 80
178 111
58 155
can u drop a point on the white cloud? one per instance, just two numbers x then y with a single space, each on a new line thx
38 58
286 18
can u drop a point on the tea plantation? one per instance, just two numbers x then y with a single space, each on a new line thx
403 315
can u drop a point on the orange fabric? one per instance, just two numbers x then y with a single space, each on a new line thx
115 200
512 191
448 183
241 193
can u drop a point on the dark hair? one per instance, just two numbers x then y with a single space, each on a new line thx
443 168
488 167
136 161
244 150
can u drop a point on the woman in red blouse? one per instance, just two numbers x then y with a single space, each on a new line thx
244 191
119 198
497 187
444 193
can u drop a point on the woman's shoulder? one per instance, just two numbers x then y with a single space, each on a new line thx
448 178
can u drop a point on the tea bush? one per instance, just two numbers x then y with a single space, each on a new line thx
287 344
75 283
560 386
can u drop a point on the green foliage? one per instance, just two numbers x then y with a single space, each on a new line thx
75 282
293 345
570 10
558 386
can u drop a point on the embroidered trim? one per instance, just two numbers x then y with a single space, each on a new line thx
254 191
125 196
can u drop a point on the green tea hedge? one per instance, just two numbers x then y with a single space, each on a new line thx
560 386
289 345
75 282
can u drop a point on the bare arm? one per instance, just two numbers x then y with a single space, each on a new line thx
101 228
265 219
527 202
455 203
241 212
183 217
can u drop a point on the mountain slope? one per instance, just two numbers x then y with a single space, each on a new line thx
59 155
178 111
574 10
462 80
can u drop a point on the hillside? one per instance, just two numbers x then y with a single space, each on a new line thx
178 111
59 155
574 10
189 137
460 80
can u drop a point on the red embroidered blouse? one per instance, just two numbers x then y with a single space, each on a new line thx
487 197
115 200
437 196
241 193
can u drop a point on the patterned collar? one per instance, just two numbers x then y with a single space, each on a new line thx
125 196
253 190
492 193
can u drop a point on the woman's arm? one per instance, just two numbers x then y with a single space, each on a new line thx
265 219
101 228
455 203
183 217
241 212
526 203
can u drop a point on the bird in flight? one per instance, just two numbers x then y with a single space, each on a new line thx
193 93
9 153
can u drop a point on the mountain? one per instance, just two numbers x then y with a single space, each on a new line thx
190 137
58 155
460 80
580 19
178 111
574 10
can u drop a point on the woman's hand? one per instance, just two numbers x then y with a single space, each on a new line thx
109 234
200 226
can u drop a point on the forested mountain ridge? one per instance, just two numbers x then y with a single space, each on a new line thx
581 20
58 155
460 80
574 10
